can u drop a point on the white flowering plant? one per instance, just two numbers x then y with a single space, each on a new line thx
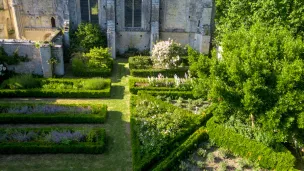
166 54
3 69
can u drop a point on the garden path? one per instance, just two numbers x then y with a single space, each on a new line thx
118 155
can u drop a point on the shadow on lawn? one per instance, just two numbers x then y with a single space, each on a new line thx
117 92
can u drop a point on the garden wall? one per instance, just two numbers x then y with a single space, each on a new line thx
38 57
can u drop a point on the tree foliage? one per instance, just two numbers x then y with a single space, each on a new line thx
260 81
231 14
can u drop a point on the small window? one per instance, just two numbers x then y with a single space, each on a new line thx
53 22
133 13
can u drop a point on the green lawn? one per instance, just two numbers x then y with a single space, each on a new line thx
118 154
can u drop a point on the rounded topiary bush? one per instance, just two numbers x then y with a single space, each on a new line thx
166 54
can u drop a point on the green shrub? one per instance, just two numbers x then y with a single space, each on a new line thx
99 57
96 63
21 82
250 149
88 36
97 114
134 52
41 146
95 84
140 62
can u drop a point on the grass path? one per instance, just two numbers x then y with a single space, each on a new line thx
118 155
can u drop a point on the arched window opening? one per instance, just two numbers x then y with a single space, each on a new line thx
53 22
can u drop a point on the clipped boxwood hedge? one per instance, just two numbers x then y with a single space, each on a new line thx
96 147
180 72
179 153
94 72
59 92
98 116
135 90
255 151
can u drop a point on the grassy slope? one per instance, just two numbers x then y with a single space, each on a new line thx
118 154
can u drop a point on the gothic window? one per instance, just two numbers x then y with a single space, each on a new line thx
89 11
133 13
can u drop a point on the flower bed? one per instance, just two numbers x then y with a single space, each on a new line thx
43 113
160 83
157 128
52 140
27 86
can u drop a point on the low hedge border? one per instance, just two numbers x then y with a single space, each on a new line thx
94 73
56 93
135 90
151 161
51 148
257 152
179 153
98 117
180 72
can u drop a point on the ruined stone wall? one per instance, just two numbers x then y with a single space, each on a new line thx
38 13
24 48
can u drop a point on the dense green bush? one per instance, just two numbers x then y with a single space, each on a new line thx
140 62
179 153
257 152
88 36
259 83
157 128
69 88
231 14
133 52
37 141
44 113
96 63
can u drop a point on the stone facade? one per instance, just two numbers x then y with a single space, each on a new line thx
128 23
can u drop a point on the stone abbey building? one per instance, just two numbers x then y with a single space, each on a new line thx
128 23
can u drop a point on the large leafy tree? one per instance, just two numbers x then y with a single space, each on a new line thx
259 82
232 14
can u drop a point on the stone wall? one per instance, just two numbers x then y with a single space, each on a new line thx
38 57
24 48
186 21
38 13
